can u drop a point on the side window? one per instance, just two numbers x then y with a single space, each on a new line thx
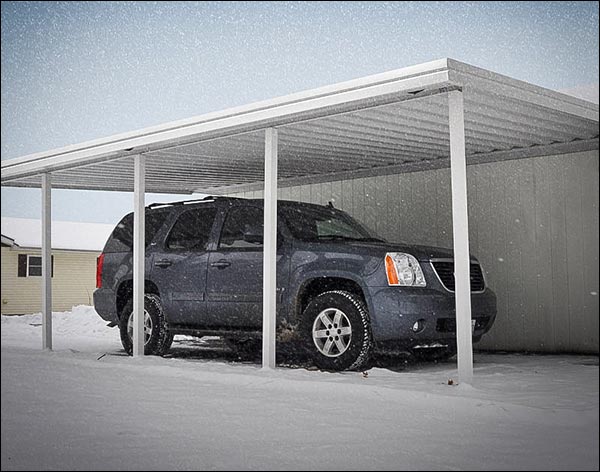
192 230
243 228
121 239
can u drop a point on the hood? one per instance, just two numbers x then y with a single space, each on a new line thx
377 248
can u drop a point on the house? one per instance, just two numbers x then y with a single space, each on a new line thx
75 247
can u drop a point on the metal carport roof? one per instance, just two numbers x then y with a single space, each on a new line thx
400 121
386 123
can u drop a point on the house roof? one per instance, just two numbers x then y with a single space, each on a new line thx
392 122
8 242
70 235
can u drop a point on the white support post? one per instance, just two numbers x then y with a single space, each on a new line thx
46 262
460 231
138 254
270 250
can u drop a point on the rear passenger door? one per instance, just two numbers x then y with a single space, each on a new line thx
234 282
179 266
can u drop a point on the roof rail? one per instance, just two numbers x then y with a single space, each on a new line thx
210 198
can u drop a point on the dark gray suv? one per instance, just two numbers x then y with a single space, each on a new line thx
342 293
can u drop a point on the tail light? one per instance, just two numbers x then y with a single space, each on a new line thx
99 266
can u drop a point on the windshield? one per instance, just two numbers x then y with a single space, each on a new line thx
316 224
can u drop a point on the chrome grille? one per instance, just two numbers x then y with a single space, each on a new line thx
445 272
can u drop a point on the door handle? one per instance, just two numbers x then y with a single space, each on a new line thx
163 263
220 264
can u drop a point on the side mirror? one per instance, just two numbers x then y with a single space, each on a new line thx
254 234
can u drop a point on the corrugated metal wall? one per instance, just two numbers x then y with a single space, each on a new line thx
533 226
73 283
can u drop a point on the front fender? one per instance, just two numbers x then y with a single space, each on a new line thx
307 266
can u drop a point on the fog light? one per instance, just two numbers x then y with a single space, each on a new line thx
418 326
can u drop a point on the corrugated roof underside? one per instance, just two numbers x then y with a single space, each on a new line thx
411 133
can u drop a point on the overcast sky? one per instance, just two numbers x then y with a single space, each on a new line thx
74 71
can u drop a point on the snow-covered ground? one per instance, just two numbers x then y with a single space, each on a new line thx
87 406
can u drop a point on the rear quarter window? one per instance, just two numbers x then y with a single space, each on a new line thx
191 231
121 239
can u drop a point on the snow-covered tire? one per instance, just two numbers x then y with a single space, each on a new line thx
157 337
336 330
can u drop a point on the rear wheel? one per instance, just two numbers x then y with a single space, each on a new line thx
157 338
337 332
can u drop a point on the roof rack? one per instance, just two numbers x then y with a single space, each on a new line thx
210 198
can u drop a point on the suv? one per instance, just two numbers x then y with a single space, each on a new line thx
341 291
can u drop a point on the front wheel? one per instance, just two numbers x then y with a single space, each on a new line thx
157 337
337 331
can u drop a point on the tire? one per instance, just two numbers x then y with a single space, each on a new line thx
336 331
159 340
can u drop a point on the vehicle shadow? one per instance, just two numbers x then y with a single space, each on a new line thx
288 355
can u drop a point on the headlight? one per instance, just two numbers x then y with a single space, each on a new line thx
403 269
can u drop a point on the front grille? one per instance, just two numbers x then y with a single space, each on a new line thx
445 272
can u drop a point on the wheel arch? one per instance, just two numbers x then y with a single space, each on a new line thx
313 286
125 292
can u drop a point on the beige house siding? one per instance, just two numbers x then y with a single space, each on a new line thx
533 226
73 282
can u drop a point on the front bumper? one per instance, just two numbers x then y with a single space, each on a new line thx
394 312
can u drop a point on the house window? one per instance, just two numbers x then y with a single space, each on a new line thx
31 266
34 266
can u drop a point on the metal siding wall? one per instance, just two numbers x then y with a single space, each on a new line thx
575 279
534 228
543 255
371 216
559 312
590 210
444 209
502 237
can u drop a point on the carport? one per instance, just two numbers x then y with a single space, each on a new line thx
439 114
